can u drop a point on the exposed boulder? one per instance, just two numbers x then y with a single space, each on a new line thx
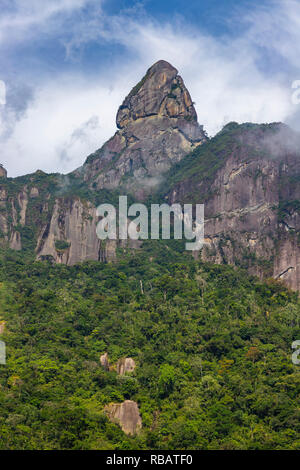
2 327
125 414
34 192
125 365
104 361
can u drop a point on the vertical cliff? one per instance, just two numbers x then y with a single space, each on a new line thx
248 177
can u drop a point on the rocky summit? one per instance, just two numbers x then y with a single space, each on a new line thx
157 126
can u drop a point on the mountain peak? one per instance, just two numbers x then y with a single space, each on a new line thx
161 92
161 65
157 126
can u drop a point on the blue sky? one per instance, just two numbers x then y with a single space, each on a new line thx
46 50
68 64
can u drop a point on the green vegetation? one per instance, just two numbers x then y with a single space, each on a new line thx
205 160
286 208
198 169
212 347
61 245
212 344
139 85
172 96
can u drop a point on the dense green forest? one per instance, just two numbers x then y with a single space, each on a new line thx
212 346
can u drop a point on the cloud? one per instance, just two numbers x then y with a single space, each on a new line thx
57 122
83 135
20 17
63 124
223 77
277 29
18 98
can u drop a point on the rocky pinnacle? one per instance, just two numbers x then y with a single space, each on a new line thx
157 126
160 93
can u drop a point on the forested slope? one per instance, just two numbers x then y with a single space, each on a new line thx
212 347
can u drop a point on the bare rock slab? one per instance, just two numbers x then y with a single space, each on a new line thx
104 361
125 414
125 365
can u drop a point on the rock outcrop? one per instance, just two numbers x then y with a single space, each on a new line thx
15 241
125 366
125 414
3 172
2 327
104 361
157 125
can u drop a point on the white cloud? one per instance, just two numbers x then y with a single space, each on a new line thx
24 14
21 20
63 125
70 117
277 29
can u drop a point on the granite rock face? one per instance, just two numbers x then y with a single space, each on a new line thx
125 414
61 229
252 202
157 125
3 172
104 361
69 236
2 327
